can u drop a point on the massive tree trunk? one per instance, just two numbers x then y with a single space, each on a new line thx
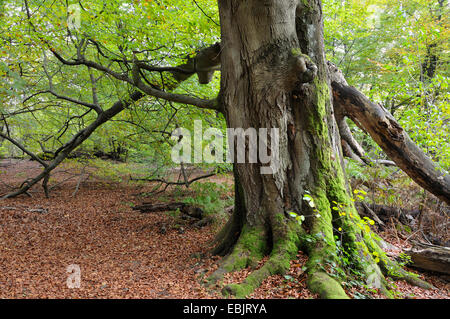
274 75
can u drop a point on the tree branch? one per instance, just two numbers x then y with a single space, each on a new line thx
77 140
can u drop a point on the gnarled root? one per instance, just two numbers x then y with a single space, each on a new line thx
340 247
286 243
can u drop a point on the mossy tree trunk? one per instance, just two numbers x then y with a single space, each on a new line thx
274 75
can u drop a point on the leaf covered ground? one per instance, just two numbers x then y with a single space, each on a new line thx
122 253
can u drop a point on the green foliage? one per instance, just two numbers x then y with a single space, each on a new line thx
211 197
385 185
356 170
3 151
310 200
404 259
298 218
106 171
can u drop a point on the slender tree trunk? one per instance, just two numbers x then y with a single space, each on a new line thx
274 75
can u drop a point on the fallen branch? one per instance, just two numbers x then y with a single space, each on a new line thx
38 210
30 210
385 162
430 257
189 210
203 222
194 214
9 208
367 211
161 180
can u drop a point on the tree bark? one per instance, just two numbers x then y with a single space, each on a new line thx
370 117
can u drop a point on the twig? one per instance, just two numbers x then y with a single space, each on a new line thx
7 185
63 181
38 210
79 183
206 14
372 213
395 230
182 171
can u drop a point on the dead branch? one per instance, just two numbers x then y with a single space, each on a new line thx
382 213
430 257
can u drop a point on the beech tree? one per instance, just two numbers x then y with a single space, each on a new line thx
273 74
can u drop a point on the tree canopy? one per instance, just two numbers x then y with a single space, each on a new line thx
396 52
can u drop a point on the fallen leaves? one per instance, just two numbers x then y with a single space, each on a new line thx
121 252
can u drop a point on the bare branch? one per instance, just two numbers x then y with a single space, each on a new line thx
393 139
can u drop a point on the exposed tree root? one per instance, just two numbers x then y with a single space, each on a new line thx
393 270
286 237
229 234
321 252
327 287
286 243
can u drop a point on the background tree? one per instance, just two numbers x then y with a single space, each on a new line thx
382 48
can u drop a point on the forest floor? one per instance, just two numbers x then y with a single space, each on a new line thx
122 253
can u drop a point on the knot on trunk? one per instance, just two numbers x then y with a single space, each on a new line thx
304 68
